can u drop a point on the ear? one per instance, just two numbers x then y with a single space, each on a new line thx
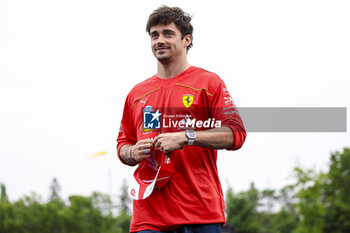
187 40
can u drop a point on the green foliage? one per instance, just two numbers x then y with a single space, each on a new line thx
241 210
124 199
252 212
337 193
3 194
316 202
123 222
124 218
80 215
310 205
55 189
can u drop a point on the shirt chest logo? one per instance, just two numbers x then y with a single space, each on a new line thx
151 119
187 100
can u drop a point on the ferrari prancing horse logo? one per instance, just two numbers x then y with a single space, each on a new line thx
187 99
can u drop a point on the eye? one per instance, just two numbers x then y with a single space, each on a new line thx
154 36
168 33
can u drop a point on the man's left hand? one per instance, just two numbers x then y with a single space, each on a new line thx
169 142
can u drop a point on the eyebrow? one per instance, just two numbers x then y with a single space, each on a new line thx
154 33
168 31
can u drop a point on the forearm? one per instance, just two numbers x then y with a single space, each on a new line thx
218 138
133 154
125 153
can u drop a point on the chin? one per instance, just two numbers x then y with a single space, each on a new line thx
163 59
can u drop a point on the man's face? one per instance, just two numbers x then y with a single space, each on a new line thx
166 42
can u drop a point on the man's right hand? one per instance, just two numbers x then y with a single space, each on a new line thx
133 154
142 149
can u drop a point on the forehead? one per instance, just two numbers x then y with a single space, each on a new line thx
161 27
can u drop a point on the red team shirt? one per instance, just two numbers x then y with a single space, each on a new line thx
194 194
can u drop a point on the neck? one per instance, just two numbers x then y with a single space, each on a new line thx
171 69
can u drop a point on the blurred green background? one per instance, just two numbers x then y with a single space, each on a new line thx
315 202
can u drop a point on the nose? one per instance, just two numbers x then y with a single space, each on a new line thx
160 39
160 42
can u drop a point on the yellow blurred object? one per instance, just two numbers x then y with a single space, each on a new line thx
98 154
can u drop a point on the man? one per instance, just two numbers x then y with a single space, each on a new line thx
186 114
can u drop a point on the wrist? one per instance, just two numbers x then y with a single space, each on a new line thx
128 156
191 137
183 138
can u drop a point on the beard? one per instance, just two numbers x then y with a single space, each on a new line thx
163 58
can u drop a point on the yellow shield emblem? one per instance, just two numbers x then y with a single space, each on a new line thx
187 100
145 130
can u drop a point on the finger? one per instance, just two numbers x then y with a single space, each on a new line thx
147 145
143 141
159 137
158 144
144 151
152 141
165 150
142 157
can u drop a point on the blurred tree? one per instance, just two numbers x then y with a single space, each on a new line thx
241 210
265 213
54 219
287 199
125 200
311 209
124 218
102 203
267 200
81 215
123 222
55 188
27 215
5 210
254 211
3 194
283 222
286 219
317 202
337 193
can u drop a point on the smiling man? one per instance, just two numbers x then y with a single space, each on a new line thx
177 188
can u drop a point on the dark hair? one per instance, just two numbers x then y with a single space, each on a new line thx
165 15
